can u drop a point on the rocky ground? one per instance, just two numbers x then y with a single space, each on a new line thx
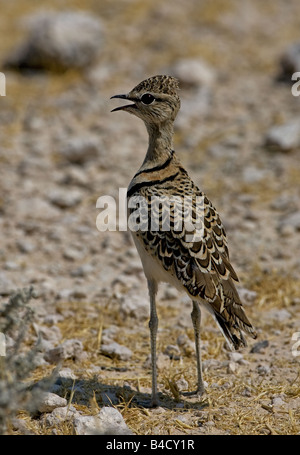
238 134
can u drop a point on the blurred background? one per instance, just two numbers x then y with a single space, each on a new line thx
237 131
238 134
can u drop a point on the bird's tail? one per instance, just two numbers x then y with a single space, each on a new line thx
230 316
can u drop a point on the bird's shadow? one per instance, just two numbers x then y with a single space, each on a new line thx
87 391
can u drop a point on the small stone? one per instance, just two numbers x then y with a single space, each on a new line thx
11 265
162 361
210 423
263 369
79 293
53 319
284 137
247 296
197 79
26 246
182 384
73 254
109 333
134 305
52 334
66 373
236 357
58 41
246 392
290 60
185 344
279 315
51 401
68 349
61 414
259 346
172 351
277 402
6 285
65 199
252 174
80 150
64 294
116 350
231 367
75 176
193 72
285 202
83 270
291 221
109 421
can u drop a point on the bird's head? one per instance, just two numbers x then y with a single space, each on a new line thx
155 100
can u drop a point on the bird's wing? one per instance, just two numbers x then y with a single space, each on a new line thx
187 237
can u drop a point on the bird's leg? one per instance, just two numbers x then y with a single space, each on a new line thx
196 319
153 324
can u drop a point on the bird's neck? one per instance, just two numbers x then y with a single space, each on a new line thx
160 141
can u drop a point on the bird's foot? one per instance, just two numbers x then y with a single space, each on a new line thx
199 392
154 403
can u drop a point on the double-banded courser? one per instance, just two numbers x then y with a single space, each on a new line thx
190 251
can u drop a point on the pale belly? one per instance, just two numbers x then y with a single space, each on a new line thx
152 268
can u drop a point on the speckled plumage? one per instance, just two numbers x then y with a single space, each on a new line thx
201 266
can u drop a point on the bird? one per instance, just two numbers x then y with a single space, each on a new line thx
192 257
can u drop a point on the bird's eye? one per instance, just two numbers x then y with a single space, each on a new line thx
147 98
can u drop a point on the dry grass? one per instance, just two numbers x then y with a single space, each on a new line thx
235 403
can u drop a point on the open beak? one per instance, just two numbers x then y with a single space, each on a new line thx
122 108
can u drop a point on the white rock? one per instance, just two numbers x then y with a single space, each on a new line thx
58 41
48 333
6 285
247 296
134 305
231 367
193 72
109 421
172 351
263 369
116 350
26 246
66 373
72 254
292 221
236 357
61 414
68 349
279 315
50 402
278 401
284 137
83 270
252 174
